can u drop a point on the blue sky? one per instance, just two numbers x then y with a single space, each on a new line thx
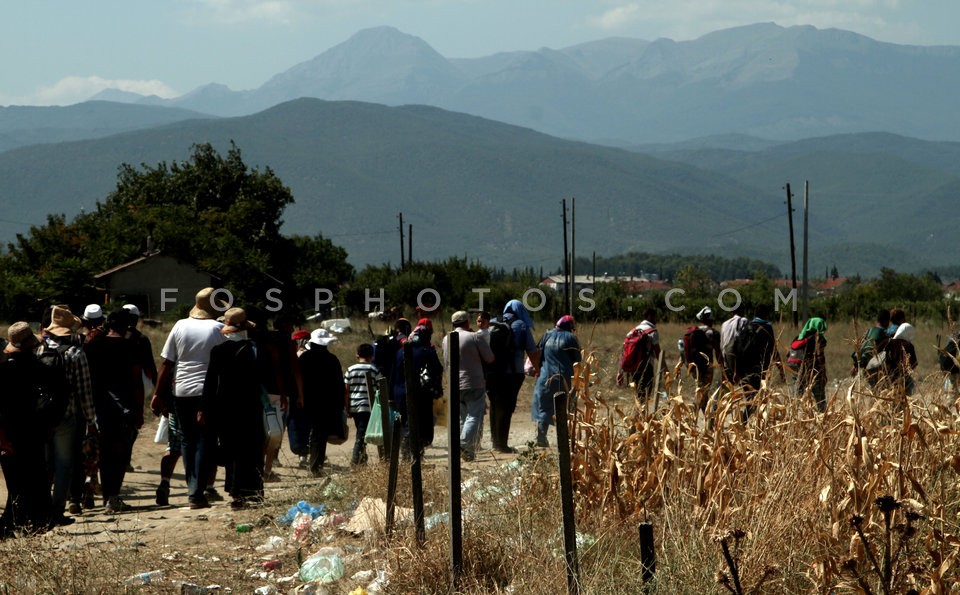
57 53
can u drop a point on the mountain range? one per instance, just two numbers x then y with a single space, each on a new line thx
666 146
784 83
491 191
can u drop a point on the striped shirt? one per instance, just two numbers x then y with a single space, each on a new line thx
77 371
356 380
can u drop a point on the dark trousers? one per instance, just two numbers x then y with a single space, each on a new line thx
503 391
360 421
116 448
194 445
243 464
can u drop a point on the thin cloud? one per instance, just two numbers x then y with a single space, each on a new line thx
618 17
74 89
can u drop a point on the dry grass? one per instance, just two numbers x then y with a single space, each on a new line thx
792 495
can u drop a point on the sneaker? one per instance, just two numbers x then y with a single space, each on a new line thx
237 504
163 494
198 503
115 504
467 456
213 495
75 509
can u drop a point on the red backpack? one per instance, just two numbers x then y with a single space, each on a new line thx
795 356
636 348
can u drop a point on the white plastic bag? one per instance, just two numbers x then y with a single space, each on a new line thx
163 431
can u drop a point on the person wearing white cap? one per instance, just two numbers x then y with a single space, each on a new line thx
474 353
92 322
324 395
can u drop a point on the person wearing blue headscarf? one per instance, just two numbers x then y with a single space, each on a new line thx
561 350
506 378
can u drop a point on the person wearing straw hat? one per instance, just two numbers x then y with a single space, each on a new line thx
184 360
22 446
61 335
324 395
231 406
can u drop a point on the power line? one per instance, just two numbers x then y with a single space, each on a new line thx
768 219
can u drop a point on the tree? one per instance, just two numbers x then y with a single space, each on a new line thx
211 211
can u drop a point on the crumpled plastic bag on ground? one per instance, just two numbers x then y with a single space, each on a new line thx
325 566
304 507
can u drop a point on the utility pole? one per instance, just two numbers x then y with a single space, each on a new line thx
410 244
566 259
806 215
401 241
793 253
573 253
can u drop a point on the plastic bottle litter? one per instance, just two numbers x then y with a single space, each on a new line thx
325 566
145 578
244 528
274 543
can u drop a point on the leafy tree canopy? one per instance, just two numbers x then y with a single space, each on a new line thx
211 211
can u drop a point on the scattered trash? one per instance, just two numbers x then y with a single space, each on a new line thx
145 578
371 515
304 507
364 576
192 589
379 584
337 325
301 526
271 564
325 566
244 528
265 590
359 591
435 519
333 492
274 543
585 540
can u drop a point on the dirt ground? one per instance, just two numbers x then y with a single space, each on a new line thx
152 526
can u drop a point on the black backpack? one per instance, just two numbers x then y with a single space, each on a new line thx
501 343
53 388
696 347
752 349
948 356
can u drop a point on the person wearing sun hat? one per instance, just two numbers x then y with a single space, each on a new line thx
184 360
232 410
61 334
28 506
324 395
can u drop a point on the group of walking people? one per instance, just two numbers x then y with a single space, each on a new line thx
70 412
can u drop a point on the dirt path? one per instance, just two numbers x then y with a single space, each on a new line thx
147 524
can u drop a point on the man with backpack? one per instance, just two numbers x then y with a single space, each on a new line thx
752 353
511 337
701 347
640 355
62 351
729 331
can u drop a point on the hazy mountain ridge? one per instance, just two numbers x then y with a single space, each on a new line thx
763 79
483 189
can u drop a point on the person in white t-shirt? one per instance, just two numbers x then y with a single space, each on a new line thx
185 358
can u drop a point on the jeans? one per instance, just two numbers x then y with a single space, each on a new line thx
63 456
194 443
360 420
472 408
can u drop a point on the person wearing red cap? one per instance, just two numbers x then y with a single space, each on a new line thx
561 350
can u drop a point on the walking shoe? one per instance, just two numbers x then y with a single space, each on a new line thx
467 456
115 504
509 450
213 495
163 494
198 503
304 462
75 509
63 521
237 503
